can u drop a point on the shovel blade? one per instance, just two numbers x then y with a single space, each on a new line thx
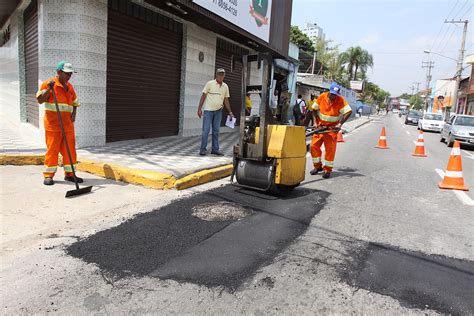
78 191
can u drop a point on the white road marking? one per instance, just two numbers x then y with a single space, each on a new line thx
407 132
403 126
468 155
462 196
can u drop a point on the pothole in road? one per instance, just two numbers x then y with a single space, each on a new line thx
220 211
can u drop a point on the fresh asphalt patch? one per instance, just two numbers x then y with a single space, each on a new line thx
415 279
173 243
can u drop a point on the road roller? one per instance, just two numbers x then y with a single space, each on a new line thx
269 157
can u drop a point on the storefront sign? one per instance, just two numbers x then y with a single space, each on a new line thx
252 16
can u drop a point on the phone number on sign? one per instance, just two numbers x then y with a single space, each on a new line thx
228 5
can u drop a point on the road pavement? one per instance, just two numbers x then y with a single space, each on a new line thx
377 237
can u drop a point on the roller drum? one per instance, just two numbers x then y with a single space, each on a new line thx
255 174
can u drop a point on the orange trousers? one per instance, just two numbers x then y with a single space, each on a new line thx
330 141
55 145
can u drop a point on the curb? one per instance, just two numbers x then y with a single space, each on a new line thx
151 179
20 160
202 177
366 122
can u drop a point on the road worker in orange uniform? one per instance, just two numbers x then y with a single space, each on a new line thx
332 110
67 102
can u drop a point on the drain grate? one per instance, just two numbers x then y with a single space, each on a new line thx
220 211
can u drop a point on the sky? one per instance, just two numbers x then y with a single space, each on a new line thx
395 32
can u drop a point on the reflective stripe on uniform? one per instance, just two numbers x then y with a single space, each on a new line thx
75 103
68 168
316 159
328 163
62 107
345 109
328 118
50 169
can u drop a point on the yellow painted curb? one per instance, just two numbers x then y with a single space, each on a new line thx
21 160
202 177
152 179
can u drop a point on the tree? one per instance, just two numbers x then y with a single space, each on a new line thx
416 102
355 59
300 39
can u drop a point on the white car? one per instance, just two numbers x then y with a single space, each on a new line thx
431 122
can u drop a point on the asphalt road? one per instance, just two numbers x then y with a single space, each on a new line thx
378 237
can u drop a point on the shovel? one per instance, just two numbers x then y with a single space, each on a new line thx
77 191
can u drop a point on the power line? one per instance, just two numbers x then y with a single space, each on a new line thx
443 24
460 10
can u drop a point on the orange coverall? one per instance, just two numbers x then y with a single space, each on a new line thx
327 114
54 138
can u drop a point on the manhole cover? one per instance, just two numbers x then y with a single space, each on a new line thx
220 211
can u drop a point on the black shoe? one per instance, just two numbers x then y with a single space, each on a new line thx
217 153
48 181
315 171
71 179
203 153
326 174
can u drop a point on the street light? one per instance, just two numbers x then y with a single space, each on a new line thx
426 51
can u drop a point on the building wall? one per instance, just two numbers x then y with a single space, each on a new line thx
10 72
76 31
197 74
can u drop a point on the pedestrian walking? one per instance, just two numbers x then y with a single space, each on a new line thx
299 109
330 110
67 102
215 96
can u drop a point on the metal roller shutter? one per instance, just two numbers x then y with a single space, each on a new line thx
229 57
31 62
143 73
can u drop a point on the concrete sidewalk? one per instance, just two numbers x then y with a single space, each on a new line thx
160 163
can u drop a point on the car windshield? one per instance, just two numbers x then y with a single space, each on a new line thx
416 114
464 121
434 117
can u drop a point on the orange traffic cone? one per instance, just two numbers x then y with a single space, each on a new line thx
453 178
382 140
340 139
420 146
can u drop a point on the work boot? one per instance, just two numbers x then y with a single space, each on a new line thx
48 181
203 153
71 179
217 153
326 174
315 171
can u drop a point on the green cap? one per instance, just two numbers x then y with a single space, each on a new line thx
64 66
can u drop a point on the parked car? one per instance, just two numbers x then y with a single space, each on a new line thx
460 128
394 110
431 122
413 117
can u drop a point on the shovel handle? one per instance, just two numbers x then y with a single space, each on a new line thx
64 137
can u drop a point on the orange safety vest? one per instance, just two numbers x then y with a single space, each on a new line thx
329 114
67 100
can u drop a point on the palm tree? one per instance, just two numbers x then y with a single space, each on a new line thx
365 62
351 58
355 59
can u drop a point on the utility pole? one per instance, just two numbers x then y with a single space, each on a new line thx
417 86
428 65
460 61
314 63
